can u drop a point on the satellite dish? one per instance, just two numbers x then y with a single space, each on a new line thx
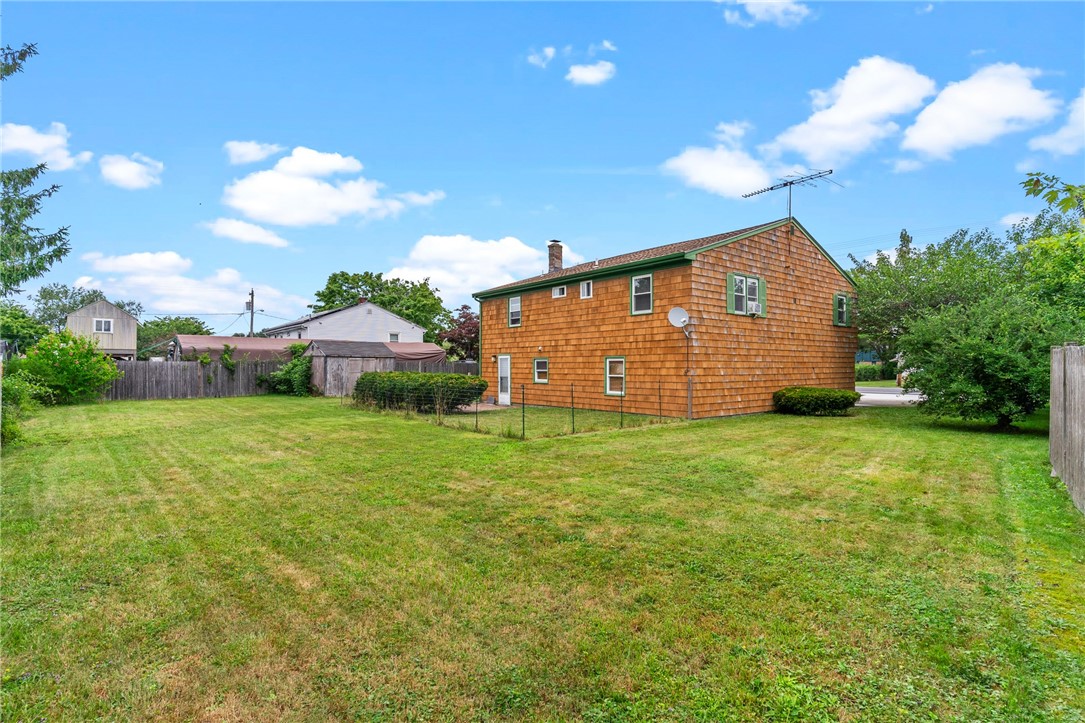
678 317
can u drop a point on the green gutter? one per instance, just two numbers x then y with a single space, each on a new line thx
593 273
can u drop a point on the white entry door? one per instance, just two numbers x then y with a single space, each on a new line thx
504 382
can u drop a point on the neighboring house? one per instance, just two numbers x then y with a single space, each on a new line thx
245 348
338 364
364 321
111 326
766 306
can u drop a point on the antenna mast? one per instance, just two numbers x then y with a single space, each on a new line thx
801 181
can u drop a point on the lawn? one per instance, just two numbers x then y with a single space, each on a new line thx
536 422
878 383
279 558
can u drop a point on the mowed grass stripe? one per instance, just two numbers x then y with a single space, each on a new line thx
266 558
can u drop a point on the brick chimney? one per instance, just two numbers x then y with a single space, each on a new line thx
362 299
555 255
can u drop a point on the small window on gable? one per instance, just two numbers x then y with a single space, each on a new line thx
393 336
640 294
299 334
514 311
559 292
542 371
103 326
615 372
842 312
746 295
586 289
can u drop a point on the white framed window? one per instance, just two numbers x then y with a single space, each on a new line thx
640 294
542 371
745 295
103 326
393 336
586 289
514 311
615 376
559 292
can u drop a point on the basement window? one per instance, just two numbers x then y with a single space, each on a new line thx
542 371
103 326
514 311
615 372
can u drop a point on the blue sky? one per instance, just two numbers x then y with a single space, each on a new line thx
205 149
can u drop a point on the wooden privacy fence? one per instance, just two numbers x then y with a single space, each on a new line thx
188 380
1067 438
459 367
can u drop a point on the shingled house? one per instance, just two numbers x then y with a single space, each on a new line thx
766 307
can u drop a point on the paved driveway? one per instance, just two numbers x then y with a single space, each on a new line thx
885 397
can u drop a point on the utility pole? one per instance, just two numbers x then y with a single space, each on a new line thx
250 306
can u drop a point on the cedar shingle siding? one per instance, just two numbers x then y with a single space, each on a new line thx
736 361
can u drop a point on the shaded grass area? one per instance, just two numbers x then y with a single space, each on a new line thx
539 422
878 383
269 557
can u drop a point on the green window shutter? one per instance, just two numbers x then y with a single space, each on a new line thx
730 293
761 296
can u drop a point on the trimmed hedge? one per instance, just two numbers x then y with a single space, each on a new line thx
418 391
814 401
868 372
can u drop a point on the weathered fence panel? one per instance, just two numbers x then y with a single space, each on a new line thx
1067 436
459 367
188 380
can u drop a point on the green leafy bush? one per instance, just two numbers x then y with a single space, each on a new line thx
867 372
71 366
815 401
293 378
889 369
417 391
22 392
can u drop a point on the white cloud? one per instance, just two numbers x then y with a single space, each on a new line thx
855 113
249 151
1012 219
162 262
293 194
1028 165
246 233
49 146
925 10
597 73
541 58
906 165
461 265
158 280
783 13
724 171
1069 139
605 45
135 172
996 100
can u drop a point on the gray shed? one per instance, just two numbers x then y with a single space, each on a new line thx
338 364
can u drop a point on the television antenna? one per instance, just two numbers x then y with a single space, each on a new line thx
790 181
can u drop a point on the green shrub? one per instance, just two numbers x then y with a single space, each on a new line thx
71 366
419 392
814 401
22 392
293 378
867 372
889 369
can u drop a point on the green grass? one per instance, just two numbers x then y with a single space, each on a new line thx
539 422
878 383
269 558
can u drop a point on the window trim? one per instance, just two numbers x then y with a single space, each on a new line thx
393 334
591 288
651 294
535 369
607 375
519 311
848 301
761 287
559 292
103 330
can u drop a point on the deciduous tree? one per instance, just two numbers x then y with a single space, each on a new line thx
415 301
163 329
462 337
